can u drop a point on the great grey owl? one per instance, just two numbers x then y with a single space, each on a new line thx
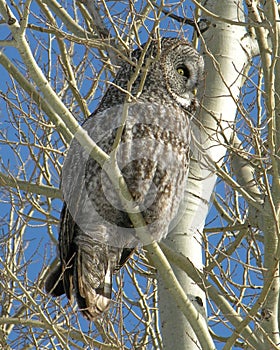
148 110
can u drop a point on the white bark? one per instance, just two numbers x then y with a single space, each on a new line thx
226 52
227 49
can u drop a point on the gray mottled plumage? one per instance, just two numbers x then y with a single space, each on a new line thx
96 235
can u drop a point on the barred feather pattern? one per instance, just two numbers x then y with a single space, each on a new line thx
96 234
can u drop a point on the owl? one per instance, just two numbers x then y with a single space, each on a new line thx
143 125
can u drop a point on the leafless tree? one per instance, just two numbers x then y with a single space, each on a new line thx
214 283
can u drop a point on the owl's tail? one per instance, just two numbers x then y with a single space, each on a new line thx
93 281
89 274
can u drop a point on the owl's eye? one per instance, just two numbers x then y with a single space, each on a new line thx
183 70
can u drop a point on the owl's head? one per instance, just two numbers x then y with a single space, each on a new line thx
171 70
183 69
175 71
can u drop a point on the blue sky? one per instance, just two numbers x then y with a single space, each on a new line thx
38 248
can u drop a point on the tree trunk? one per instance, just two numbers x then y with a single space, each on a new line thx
225 59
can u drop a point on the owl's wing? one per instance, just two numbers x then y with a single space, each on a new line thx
87 263
96 235
60 280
